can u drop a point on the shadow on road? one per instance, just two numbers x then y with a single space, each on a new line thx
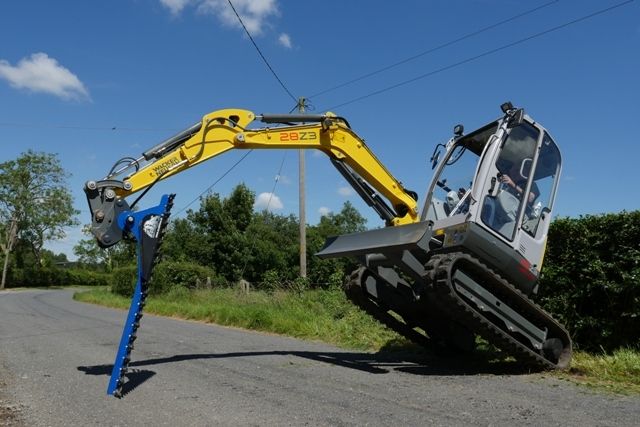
135 377
412 362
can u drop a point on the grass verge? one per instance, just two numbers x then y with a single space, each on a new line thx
327 316
321 315
618 372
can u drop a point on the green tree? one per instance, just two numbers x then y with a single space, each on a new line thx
348 220
183 242
91 255
35 203
52 259
274 246
331 272
217 232
227 235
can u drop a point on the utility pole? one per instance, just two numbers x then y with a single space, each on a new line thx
302 210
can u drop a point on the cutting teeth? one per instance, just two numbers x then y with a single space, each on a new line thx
161 229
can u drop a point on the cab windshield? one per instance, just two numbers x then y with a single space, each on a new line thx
451 192
526 183
500 212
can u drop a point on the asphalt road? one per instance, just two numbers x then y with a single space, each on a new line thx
56 355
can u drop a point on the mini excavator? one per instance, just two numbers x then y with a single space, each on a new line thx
467 264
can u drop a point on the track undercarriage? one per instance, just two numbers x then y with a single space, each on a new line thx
457 298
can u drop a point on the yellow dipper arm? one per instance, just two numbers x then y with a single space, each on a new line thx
224 130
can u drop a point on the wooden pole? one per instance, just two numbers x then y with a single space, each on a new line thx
302 209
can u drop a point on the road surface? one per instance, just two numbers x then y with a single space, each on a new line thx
56 356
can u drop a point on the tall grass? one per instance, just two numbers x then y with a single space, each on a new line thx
618 372
323 315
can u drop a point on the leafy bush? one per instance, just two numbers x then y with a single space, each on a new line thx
591 279
44 276
52 276
168 275
273 280
123 280
243 244
88 278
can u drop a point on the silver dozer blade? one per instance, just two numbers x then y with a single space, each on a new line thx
383 240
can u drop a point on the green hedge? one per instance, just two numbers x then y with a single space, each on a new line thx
591 279
123 280
88 278
166 276
51 276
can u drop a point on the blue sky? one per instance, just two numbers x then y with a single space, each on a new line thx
96 81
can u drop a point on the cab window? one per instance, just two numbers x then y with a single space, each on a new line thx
545 178
500 211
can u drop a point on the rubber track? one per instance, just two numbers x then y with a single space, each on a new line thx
440 268
355 293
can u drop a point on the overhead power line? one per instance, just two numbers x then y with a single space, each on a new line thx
439 70
273 190
249 152
300 105
261 55
115 128
434 49
73 127
214 183
481 55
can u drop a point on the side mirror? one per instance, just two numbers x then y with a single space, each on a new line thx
506 107
515 118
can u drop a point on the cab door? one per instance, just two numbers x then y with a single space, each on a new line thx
532 236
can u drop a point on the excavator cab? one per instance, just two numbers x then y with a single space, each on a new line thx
469 265
503 178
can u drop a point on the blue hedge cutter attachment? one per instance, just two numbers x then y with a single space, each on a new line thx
147 227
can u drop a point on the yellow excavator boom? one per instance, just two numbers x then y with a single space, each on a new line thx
224 130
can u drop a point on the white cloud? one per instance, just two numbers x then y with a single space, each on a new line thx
175 6
40 73
268 201
283 179
254 13
324 211
285 40
345 191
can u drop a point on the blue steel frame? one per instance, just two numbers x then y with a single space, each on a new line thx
133 222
